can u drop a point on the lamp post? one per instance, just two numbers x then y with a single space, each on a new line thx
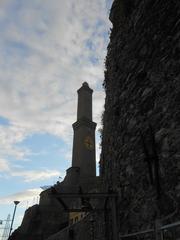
15 206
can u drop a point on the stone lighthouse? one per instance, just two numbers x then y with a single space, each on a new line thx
51 215
83 155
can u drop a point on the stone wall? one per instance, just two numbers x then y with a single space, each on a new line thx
41 221
89 228
140 156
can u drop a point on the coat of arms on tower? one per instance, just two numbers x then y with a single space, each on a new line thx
89 143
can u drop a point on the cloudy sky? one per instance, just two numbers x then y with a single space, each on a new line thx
48 48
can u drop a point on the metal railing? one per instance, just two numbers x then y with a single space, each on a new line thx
166 232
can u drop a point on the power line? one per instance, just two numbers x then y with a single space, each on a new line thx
6 228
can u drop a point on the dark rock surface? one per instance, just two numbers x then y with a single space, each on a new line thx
142 110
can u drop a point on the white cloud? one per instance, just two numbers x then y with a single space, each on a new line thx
48 48
55 65
4 166
9 137
30 176
26 175
23 197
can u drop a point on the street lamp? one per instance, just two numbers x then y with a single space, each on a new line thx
15 203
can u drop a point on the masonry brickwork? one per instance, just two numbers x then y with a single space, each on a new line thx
140 156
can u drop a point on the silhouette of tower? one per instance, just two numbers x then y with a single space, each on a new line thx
84 134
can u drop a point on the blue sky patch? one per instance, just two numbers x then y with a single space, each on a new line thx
4 121
46 152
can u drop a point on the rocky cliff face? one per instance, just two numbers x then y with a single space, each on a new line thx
141 134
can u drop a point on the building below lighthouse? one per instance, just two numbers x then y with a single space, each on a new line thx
53 214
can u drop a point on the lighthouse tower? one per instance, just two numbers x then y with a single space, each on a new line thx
84 134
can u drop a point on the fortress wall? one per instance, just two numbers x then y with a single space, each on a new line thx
90 227
142 85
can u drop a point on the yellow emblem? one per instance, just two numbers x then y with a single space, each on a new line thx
89 143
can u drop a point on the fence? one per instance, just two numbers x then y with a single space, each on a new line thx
166 232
